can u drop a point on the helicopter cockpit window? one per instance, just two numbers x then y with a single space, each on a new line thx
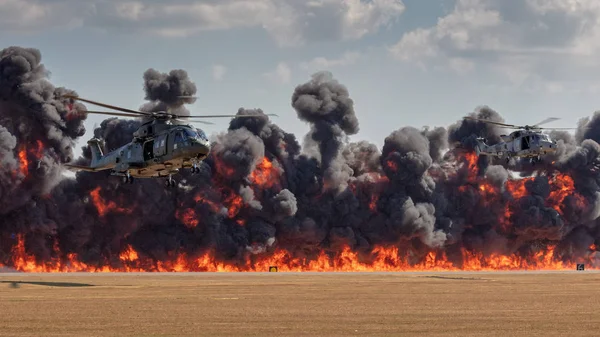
190 134
201 134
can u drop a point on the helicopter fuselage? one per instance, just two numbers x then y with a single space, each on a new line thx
156 155
160 146
526 144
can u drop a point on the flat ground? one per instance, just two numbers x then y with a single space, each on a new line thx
301 304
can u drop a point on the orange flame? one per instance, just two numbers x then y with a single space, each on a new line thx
380 259
105 207
36 151
265 175
187 217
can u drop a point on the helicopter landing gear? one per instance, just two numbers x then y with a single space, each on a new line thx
534 160
170 182
127 179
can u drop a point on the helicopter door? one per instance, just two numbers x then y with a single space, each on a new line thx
525 142
160 146
148 150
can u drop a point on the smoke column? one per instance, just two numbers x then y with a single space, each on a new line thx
423 202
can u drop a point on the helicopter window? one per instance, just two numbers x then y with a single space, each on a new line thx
178 139
189 134
129 154
201 134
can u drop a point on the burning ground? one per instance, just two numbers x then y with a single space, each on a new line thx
264 198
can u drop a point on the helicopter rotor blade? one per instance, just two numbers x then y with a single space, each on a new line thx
135 113
557 128
188 121
547 120
201 122
121 114
107 105
491 122
227 116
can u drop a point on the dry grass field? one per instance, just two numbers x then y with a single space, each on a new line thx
303 304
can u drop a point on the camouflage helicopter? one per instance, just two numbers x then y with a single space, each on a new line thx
527 142
159 148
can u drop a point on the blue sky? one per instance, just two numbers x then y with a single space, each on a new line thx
405 62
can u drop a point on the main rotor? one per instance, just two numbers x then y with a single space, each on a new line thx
535 127
157 115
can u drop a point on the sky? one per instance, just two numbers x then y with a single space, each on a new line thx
405 63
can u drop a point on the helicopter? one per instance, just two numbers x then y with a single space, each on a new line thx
160 147
527 142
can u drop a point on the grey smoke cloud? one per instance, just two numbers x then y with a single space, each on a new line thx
323 197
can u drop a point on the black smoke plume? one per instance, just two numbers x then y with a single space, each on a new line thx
261 194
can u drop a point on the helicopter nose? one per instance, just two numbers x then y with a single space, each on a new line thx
203 148
549 146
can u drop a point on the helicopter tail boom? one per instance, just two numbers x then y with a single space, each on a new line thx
96 150
480 146
97 155
74 167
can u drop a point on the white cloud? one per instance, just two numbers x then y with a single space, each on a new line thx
289 22
524 41
27 16
322 63
218 72
282 74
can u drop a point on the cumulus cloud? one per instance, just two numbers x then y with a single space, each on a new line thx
282 74
27 16
289 22
521 39
218 72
